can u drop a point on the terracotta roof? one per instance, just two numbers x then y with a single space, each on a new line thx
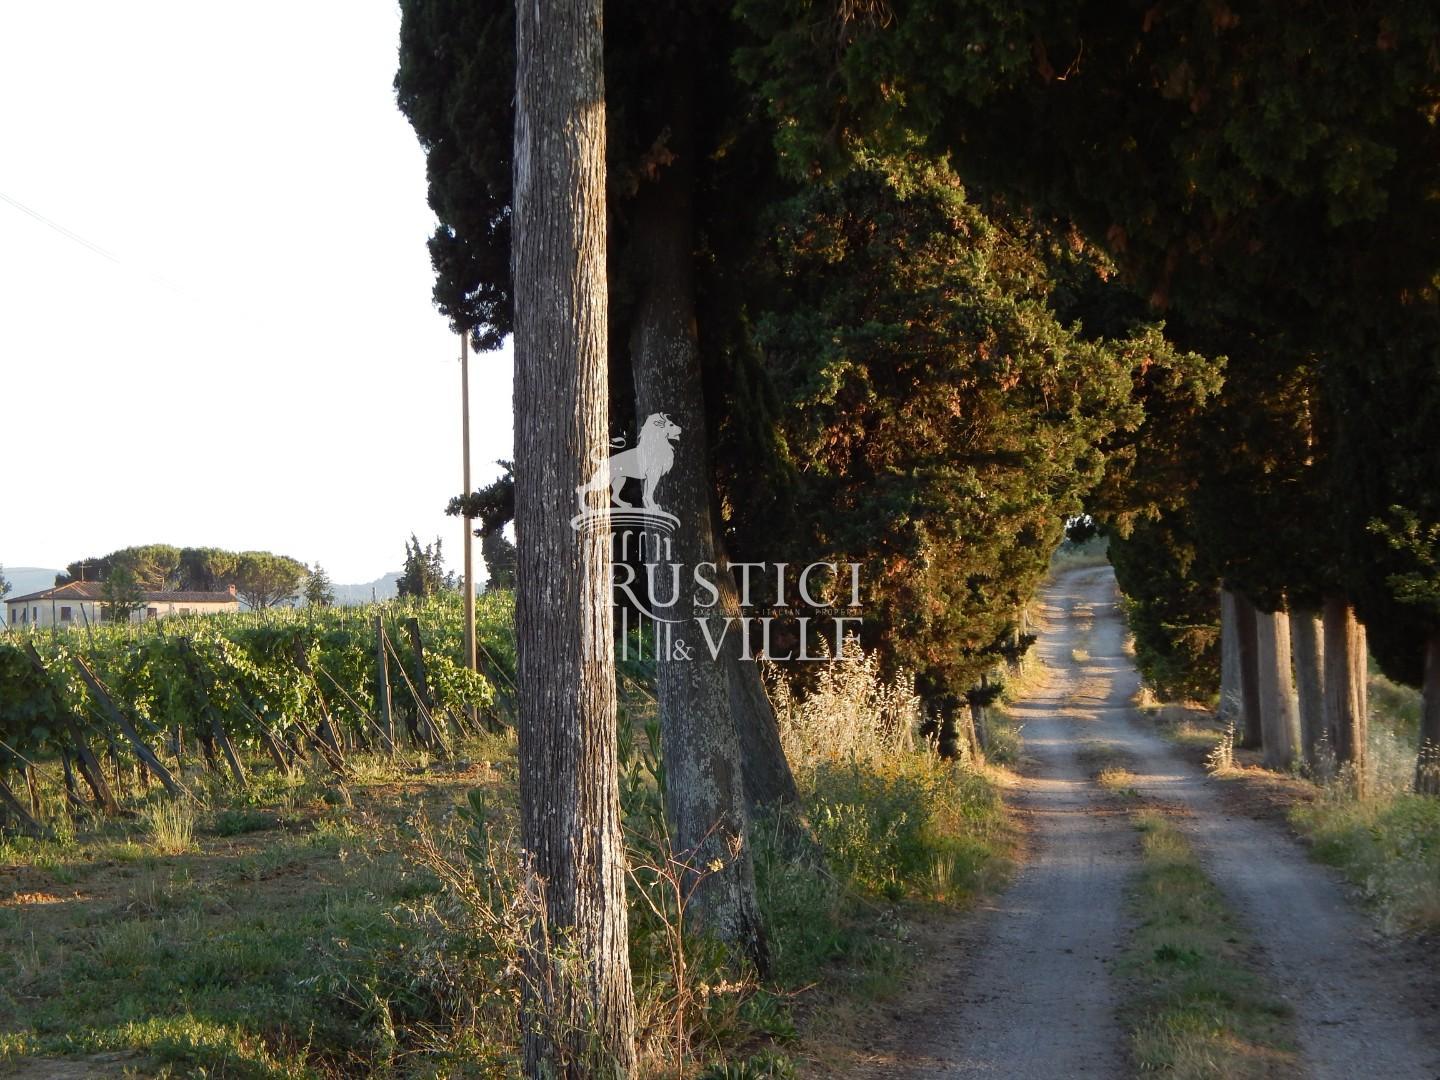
94 590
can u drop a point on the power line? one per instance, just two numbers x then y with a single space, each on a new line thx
62 230
90 245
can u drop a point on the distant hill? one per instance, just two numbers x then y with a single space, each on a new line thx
28 579
382 588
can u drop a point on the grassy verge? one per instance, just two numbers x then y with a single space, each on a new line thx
1198 1009
899 836
259 934
311 927
1388 845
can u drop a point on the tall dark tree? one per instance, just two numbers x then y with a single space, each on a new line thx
671 102
581 1014
938 419
319 591
1175 135
424 571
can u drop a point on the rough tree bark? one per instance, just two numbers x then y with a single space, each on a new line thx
1229 708
1344 697
705 797
1307 652
1251 734
580 1016
1427 766
1278 720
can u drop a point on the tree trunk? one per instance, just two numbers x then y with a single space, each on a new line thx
958 737
579 1020
705 803
1251 734
769 783
768 780
1229 708
1427 766
1307 652
1360 657
1278 719
1344 698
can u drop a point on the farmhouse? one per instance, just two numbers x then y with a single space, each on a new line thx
82 603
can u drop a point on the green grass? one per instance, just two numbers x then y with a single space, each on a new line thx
1388 842
241 940
1388 845
286 932
1197 1008
893 842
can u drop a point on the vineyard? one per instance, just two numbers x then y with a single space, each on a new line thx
213 692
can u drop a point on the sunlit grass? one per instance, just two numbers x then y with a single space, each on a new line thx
1197 1009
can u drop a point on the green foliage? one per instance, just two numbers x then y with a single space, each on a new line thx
263 579
494 507
912 828
935 419
424 571
171 673
1172 611
1290 231
121 594
4 583
162 567
455 84
1418 545
1178 136
319 592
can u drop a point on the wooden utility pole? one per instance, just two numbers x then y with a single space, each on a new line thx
467 539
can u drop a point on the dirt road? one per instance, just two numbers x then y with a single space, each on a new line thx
1031 994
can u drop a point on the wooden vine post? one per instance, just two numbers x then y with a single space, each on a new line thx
422 684
143 752
218 734
86 761
383 703
325 739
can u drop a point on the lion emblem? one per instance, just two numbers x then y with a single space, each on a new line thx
649 460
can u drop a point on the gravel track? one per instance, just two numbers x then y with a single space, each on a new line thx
1027 990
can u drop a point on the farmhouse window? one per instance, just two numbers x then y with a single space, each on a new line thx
65 615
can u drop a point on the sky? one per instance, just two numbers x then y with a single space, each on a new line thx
251 358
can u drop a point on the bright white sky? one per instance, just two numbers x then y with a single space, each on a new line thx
259 365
